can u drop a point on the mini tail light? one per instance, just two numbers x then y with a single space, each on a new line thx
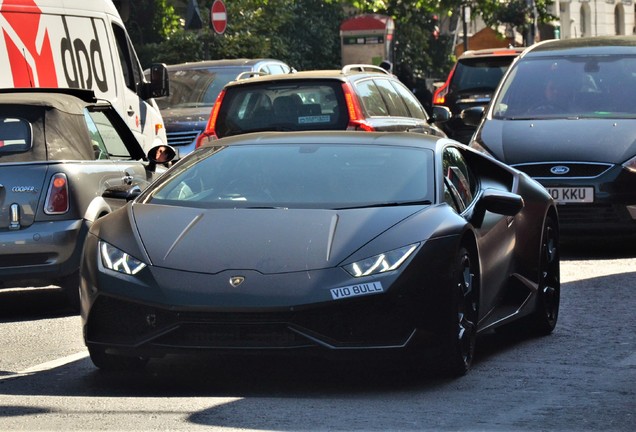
209 133
356 119
57 201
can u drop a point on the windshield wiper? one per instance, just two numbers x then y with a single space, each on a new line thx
388 204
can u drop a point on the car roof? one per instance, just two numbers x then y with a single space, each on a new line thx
240 62
409 139
334 74
492 52
583 46
72 101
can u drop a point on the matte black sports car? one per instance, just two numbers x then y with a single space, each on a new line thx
322 243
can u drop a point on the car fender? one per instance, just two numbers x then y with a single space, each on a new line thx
97 208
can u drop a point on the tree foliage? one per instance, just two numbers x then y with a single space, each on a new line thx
516 14
305 33
257 28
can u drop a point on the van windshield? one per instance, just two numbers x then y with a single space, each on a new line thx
573 86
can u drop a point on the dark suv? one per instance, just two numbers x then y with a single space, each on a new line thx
358 97
194 86
472 82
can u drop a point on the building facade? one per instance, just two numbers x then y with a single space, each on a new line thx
581 18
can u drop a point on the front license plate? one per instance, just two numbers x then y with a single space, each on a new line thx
572 194
356 290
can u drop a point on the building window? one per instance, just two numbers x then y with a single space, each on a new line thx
619 20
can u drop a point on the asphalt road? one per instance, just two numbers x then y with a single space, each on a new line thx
581 378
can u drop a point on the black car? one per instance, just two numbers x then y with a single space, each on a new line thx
194 86
472 82
60 150
325 243
566 115
357 97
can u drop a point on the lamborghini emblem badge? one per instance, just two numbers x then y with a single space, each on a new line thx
236 280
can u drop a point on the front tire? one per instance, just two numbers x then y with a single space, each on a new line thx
544 319
461 334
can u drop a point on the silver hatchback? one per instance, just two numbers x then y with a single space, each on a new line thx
60 151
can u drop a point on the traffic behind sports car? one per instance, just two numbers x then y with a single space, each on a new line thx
330 243
565 115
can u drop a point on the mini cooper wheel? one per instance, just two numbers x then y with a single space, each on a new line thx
114 362
462 324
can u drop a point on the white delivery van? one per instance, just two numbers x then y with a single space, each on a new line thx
81 44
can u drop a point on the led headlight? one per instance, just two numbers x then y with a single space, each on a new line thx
380 263
630 164
119 261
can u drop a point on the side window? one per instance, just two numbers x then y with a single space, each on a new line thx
127 65
274 69
107 142
413 105
392 99
449 197
458 178
15 135
371 98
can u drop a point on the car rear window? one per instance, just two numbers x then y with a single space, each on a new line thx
15 135
282 106
480 73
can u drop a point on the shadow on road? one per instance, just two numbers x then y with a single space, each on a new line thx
20 304
597 248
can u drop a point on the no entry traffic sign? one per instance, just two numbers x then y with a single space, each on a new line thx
218 16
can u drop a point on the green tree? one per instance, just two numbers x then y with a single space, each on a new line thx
516 14
258 28
418 46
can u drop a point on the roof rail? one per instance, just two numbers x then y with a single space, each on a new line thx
249 74
363 68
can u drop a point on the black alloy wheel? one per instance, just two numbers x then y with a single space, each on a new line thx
544 319
463 320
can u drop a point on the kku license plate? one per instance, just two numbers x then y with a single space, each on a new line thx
572 194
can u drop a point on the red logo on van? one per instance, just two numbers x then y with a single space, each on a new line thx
29 52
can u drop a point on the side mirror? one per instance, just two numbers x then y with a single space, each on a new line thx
161 155
159 84
501 202
440 114
472 116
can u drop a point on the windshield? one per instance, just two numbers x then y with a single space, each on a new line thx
299 176
576 86
193 88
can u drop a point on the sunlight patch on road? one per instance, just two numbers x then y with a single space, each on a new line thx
572 270
48 365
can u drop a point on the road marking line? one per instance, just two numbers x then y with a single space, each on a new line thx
47 365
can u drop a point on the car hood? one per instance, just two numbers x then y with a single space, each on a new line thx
265 240
593 140
186 115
